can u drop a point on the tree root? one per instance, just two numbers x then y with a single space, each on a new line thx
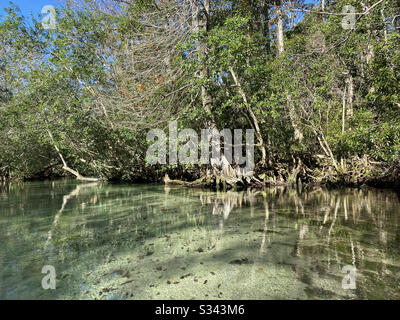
220 181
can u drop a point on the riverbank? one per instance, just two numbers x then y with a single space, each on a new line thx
352 173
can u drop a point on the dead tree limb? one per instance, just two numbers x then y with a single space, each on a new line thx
65 166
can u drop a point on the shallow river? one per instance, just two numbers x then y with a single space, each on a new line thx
153 242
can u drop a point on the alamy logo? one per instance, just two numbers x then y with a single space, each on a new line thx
49 281
349 21
49 21
185 148
349 280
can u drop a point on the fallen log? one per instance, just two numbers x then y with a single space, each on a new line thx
78 176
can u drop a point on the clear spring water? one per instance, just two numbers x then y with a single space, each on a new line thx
155 242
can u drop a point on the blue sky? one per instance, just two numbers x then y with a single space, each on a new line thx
35 6
28 6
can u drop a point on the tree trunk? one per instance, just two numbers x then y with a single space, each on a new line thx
253 118
350 83
291 15
294 119
279 29
265 25
344 110
281 49
202 24
385 31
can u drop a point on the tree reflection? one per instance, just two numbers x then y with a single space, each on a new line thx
313 232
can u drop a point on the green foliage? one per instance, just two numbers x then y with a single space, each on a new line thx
98 97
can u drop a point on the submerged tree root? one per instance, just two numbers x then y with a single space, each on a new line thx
389 179
219 182
225 177
222 178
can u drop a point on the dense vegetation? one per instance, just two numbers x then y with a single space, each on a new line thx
324 100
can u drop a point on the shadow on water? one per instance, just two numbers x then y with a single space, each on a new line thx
155 242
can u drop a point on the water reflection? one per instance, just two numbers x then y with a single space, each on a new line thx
66 198
141 242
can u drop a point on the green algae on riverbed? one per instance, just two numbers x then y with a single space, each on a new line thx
154 242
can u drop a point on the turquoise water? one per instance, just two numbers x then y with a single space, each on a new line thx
154 242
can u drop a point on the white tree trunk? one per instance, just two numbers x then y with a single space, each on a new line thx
279 29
